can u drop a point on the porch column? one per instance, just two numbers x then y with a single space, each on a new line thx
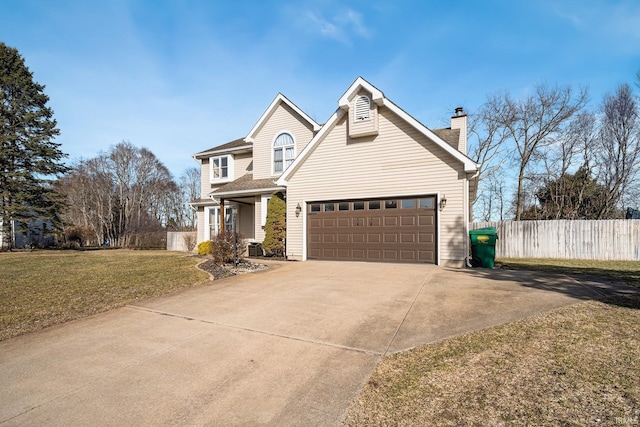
222 227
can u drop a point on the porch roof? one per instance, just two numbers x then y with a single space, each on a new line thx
246 186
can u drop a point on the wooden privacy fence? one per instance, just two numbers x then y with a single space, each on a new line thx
567 239
184 241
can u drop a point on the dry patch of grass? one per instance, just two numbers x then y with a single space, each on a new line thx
40 289
575 366
627 271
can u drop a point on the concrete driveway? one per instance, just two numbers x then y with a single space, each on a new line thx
291 346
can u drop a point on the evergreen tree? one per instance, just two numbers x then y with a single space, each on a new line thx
275 228
29 157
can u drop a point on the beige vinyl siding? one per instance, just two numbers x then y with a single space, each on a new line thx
257 220
282 119
205 185
399 161
201 213
245 222
242 164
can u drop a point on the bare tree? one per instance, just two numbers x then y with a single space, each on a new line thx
563 192
618 155
533 124
487 149
121 195
189 183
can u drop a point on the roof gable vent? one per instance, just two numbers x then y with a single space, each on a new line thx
363 108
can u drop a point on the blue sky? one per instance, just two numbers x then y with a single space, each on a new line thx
179 77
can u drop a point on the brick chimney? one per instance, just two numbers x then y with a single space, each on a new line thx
459 121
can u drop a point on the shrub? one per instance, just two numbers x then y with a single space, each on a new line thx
190 240
205 248
275 228
222 247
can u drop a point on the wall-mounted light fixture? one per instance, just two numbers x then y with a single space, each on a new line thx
443 202
298 210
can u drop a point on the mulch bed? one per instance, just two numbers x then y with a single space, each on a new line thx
226 270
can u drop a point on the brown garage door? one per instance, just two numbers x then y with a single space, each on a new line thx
386 230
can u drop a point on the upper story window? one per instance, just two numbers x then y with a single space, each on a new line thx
283 152
221 168
363 108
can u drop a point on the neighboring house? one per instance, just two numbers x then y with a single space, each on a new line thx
371 184
32 234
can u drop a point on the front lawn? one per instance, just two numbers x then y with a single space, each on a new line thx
40 289
574 366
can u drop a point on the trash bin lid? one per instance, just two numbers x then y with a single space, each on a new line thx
487 231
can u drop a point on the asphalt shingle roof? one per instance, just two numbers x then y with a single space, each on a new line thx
450 136
228 146
245 183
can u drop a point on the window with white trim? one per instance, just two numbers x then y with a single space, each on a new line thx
363 109
221 168
283 152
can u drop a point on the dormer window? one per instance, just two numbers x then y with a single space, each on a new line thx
283 152
363 109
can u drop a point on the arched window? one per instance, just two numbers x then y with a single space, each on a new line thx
363 107
283 152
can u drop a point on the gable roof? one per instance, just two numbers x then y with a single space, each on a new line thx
235 145
379 98
280 98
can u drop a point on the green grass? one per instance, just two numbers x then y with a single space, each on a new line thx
40 289
574 366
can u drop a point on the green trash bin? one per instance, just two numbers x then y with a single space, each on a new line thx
483 246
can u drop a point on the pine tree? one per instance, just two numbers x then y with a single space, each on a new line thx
29 157
275 228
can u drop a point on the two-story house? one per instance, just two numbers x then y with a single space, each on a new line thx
370 184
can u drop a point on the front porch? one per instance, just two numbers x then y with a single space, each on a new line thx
240 206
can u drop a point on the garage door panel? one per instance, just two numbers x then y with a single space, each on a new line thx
407 220
315 253
390 237
374 238
402 230
426 220
391 221
343 222
358 221
426 256
407 238
407 255
329 238
425 238
358 254
315 238
374 254
358 238
315 222
343 238
343 253
328 222
329 253
391 254
375 221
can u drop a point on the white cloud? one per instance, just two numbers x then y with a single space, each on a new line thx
325 27
343 27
